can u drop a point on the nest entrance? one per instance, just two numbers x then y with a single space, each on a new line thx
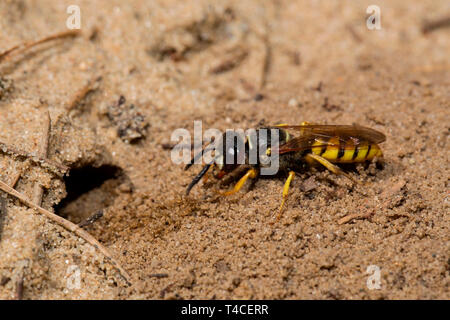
89 189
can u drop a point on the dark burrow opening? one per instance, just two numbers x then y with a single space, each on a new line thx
89 190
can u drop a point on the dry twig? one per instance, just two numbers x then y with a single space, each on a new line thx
67 225
19 287
82 93
429 26
361 215
356 36
159 275
27 45
232 60
43 152
15 178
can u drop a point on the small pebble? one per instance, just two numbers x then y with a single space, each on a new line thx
293 102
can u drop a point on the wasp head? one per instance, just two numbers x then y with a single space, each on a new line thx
228 154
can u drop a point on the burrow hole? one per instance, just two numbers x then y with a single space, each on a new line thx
90 189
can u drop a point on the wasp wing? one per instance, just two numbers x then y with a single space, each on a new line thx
345 132
347 135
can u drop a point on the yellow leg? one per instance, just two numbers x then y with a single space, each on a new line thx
285 192
327 164
252 173
304 123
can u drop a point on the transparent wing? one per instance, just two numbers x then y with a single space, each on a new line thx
344 132
347 136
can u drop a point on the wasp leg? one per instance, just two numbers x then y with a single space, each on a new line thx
252 173
285 192
327 164
304 123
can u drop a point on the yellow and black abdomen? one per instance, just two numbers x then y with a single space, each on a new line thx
337 151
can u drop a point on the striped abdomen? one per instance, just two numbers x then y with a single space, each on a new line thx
339 152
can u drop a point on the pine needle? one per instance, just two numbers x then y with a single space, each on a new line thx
28 45
67 225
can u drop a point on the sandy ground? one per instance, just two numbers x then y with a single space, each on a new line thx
230 64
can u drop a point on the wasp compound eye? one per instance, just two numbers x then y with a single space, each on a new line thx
233 150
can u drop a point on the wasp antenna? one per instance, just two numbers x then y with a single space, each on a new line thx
197 178
194 159
198 156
